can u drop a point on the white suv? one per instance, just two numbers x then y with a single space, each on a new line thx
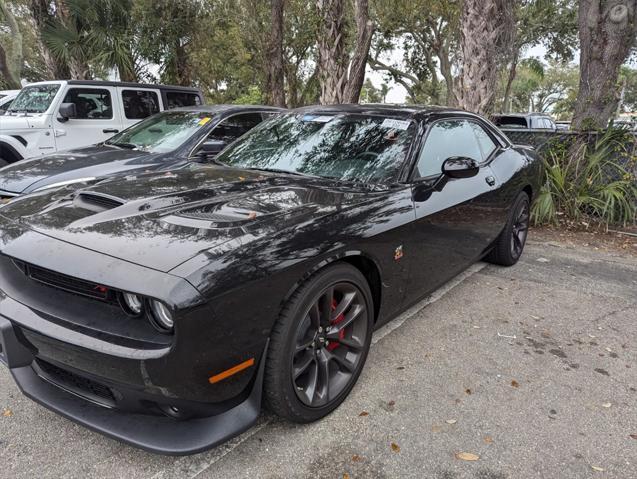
51 116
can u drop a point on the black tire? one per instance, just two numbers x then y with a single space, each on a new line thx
8 155
296 339
510 243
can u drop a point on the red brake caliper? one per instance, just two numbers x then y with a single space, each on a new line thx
341 334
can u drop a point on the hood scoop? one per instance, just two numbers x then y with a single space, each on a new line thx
96 202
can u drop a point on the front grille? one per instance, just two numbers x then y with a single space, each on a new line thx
94 201
64 282
74 383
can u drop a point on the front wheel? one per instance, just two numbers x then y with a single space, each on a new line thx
319 345
510 244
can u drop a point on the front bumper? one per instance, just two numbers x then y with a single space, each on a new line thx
154 433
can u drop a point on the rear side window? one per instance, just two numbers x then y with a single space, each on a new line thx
140 104
176 99
90 103
235 126
510 121
446 139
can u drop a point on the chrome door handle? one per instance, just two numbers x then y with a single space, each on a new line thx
490 180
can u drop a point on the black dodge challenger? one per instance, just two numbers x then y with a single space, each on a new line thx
162 308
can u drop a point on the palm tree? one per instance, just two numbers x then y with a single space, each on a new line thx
92 36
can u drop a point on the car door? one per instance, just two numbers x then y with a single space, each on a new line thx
456 219
97 117
137 104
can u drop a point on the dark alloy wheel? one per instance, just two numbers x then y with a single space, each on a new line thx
509 245
319 344
329 344
520 229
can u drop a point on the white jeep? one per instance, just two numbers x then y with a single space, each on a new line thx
51 116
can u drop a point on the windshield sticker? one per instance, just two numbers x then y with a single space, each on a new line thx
318 119
396 124
203 121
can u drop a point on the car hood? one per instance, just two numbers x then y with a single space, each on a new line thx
161 220
93 161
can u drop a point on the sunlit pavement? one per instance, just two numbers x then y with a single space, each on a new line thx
530 371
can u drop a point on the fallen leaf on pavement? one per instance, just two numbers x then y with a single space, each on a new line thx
395 447
6 412
598 469
515 384
468 391
436 428
488 439
451 421
467 456
364 413
345 475
356 458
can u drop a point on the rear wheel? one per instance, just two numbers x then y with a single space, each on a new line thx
319 345
510 244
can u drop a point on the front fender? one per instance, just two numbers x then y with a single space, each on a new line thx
13 146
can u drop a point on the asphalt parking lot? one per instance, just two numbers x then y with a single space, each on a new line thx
530 371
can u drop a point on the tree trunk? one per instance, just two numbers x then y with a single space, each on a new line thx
358 62
11 61
607 31
275 74
511 77
331 51
484 24
341 77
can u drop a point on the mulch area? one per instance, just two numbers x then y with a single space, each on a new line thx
589 237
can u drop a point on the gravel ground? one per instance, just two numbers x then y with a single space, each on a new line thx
531 371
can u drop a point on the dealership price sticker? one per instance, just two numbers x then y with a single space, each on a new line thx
395 124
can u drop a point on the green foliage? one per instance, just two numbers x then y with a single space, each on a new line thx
254 96
593 182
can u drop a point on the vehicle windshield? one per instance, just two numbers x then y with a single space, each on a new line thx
163 132
34 98
364 148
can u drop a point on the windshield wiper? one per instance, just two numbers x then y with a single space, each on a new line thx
129 146
287 172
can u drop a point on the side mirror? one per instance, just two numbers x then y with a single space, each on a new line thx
211 148
67 110
460 167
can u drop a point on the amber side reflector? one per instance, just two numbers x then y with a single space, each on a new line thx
233 370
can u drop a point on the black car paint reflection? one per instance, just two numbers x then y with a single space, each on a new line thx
224 247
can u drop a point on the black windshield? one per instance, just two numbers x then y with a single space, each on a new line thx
348 147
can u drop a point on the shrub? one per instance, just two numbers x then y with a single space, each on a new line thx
592 181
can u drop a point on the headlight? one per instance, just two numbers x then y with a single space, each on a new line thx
64 183
132 304
161 317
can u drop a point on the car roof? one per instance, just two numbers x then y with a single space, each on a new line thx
226 109
521 115
122 84
395 110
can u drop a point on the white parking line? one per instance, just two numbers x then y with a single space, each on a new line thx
193 466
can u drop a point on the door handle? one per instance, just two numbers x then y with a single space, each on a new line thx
110 130
490 180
